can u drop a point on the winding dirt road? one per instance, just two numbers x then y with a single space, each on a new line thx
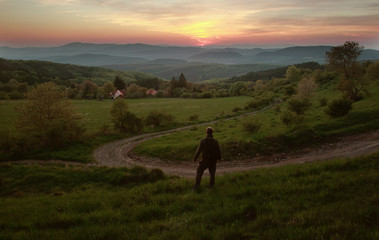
120 153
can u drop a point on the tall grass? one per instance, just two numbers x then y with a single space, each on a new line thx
326 200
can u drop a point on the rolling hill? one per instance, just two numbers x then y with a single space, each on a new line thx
197 63
32 72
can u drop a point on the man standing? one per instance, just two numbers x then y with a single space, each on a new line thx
211 153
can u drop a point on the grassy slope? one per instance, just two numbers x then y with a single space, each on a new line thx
363 117
326 200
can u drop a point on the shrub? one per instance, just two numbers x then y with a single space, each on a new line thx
339 107
124 120
236 109
206 95
194 117
298 105
251 125
290 118
156 119
258 103
323 102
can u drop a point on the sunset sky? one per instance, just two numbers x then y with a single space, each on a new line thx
189 22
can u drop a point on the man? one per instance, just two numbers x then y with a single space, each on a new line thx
211 153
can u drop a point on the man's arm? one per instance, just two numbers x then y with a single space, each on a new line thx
198 151
218 151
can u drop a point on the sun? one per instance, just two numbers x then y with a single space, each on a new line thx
202 32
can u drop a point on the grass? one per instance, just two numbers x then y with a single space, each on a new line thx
273 135
96 113
325 200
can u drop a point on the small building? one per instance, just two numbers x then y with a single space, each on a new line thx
117 94
151 92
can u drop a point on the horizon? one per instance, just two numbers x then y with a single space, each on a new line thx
238 46
47 23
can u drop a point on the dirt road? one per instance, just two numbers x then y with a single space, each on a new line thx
120 153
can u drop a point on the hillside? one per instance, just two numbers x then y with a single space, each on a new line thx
286 56
34 72
194 72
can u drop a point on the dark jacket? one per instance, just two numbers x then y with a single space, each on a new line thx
210 149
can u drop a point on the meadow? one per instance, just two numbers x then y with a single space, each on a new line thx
323 200
273 135
97 113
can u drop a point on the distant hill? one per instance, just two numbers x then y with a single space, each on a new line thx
228 57
34 72
89 59
168 61
268 74
194 72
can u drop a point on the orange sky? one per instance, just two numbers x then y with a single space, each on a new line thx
189 22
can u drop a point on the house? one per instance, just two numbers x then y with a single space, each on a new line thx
151 92
116 94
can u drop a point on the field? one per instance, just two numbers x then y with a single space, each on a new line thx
96 113
328 200
273 135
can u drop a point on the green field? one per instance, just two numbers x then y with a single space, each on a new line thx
338 199
274 135
96 113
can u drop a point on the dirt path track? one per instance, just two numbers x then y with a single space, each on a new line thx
120 153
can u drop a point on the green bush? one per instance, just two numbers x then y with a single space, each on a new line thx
323 102
251 125
290 118
338 107
156 119
298 105
236 109
124 120
194 117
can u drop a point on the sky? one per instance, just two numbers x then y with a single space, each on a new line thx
189 22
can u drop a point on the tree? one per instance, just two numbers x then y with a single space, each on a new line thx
119 84
108 87
343 59
88 89
47 115
372 72
122 119
293 74
135 91
237 89
306 88
182 82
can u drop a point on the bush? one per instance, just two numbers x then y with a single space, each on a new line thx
236 109
194 117
259 102
290 118
323 102
206 95
124 120
298 105
156 119
251 125
339 107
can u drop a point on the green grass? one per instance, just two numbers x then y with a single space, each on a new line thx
326 200
96 113
273 136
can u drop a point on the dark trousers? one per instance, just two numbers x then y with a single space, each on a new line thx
200 170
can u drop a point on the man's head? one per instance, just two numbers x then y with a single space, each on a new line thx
209 130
